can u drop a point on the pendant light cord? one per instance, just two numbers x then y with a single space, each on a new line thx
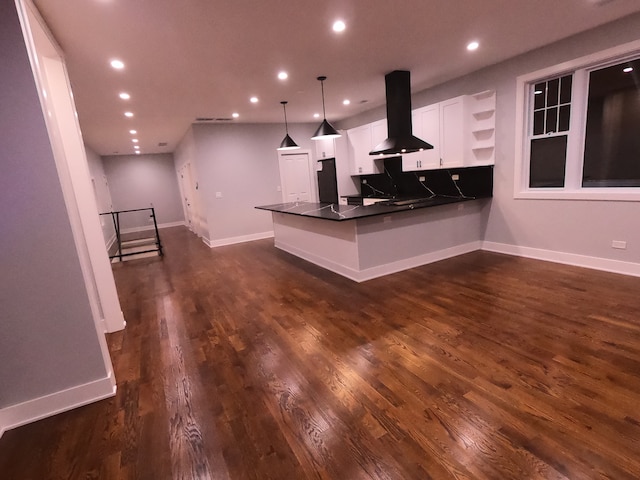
324 114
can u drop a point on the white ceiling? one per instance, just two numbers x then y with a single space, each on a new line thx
205 58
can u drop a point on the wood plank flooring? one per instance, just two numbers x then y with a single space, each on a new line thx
243 362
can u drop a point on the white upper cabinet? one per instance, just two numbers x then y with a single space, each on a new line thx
441 125
325 148
452 133
426 126
361 142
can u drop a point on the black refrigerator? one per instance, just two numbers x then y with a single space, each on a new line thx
327 183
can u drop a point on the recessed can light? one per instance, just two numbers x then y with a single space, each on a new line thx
124 96
316 115
283 75
128 114
339 26
133 132
137 152
253 99
117 64
137 147
473 46
134 140
627 70
235 115
346 101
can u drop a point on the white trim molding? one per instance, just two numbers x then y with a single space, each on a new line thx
151 227
596 263
233 240
379 270
46 406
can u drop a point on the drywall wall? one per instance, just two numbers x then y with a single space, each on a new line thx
186 166
542 227
103 195
142 181
49 341
240 163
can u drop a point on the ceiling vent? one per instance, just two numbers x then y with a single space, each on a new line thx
162 144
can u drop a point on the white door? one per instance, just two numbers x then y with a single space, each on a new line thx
295 176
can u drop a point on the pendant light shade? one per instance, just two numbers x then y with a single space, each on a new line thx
287 143
325 130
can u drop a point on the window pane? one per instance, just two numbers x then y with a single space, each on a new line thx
553 87
538 122
563 120
539 92
612 141
565 89
552 120
547 162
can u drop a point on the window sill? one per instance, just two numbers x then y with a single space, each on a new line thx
595 194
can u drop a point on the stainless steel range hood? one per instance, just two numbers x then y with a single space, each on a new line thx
401 139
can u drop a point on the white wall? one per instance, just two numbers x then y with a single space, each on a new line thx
102 193
140 181
240 162
578 228
49 341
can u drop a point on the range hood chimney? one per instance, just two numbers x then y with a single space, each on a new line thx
401 139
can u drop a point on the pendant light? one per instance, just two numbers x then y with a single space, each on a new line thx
325 130
287 143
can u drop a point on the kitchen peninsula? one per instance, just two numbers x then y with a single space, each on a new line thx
399 232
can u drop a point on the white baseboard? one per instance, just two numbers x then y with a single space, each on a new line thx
424 259
233 240
49 405
596 263
350 273
150 227
380 270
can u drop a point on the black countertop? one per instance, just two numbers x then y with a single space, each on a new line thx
335 212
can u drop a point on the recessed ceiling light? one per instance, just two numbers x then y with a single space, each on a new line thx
133 132
339 26
117 64
134 140
346 101
128 114
253 99
316 115
124 96
137 147
235 115
473 46
137 152
283 75
628 69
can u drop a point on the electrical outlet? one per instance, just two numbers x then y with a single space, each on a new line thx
278 189
619 244
218 194
455 177
422 178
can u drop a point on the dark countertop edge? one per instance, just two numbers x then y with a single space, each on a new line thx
372 212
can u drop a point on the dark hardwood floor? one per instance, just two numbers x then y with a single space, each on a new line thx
243 362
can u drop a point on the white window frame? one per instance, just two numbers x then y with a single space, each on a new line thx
573 189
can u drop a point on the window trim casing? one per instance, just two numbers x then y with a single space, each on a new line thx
573 190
